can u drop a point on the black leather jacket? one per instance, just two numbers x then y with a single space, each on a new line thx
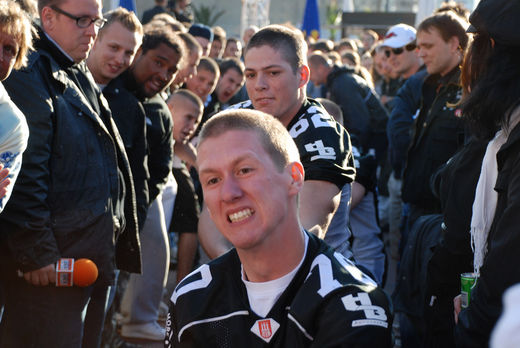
68 200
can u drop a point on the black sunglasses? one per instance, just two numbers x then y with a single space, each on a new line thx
397 51
83 21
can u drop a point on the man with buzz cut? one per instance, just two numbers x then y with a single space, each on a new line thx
74 197
280 286
276 74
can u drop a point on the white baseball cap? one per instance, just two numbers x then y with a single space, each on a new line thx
399 35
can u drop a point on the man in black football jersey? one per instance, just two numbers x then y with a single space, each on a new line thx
276 78
280 286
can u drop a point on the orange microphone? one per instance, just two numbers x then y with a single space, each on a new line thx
82 272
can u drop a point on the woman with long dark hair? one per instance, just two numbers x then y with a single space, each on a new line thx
491 80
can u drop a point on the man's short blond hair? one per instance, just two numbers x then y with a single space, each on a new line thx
16 22
275 138
126 18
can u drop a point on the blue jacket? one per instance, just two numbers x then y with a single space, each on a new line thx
405 106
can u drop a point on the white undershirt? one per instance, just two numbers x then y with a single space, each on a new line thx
263 295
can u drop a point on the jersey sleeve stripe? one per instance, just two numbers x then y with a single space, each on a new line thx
302 329
209 320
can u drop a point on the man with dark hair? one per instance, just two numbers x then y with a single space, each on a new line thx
233 48
74 196
204 83
219 43
276 78
230 81
160 7
155 65
280 285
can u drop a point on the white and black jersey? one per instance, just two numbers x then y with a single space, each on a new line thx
329 303
323 144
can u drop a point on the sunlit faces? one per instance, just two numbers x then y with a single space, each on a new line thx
190 68
272 85
228 85
155 69
8 53
233 49
202 84
247 196
113 52
186 117
75 41
439 56
216 49
205 44
404 63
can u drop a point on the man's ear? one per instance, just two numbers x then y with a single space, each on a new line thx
48 18
297 176
305 75
454 43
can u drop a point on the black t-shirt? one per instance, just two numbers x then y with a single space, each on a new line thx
329 303
323 144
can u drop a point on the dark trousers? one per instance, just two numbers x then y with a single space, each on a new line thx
49 316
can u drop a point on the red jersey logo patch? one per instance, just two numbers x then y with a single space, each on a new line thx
265 329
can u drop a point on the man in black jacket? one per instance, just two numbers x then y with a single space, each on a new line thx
111 55
155 65
74 197
160 7
363 113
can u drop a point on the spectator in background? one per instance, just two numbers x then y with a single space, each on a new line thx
399 49
77 183
166 19
204 35
204 83
248 33
346 44
155 65
233 48
369 38
15 42
112 53
191 61
182 10
491 80
186 109
219 43
229 83
160 7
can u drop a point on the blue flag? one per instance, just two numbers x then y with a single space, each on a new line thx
128 4
311 19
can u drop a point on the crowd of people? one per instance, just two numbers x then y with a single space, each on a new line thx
300 168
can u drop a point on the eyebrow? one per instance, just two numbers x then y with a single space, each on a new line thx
267 67
234 163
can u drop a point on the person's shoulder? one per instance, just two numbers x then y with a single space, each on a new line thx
335 287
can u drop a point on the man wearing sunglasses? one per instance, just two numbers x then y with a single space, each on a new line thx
74 195
399 47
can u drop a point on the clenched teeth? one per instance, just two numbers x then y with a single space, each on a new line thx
240 215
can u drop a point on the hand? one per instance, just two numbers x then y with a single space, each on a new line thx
42 276
457 307
4 181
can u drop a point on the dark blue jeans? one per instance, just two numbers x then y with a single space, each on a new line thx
48 316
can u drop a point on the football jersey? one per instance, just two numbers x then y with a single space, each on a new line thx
323 144
329 303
